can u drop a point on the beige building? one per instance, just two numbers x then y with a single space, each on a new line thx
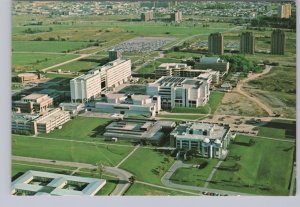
285 11
247 43
33 103
278 42
216 43
147 16
27 77
176 16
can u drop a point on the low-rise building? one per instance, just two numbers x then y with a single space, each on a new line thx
22 123
181 92
33 103
139 130
129 104
209 140
214 63
73 108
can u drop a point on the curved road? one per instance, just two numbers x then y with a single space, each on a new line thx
122 175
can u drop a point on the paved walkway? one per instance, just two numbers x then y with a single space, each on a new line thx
293 180
212 174
125 158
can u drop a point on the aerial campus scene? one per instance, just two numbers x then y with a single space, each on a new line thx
154 98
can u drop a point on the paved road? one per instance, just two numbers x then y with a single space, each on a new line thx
122 175
178 164
239 89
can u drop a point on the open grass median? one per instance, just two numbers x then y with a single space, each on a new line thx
263 168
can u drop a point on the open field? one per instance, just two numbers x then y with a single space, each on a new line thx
183 116
181 55
236 104
193 176
138 189
148 165
289 128
68 150
264 168
35 61
271 132
150 68
213 103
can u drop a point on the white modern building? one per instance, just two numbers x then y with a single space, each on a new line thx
129 104
181 92
36 183
100 80
214 63
209 140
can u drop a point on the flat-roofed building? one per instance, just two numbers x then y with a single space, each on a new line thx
51 120
214 63
247 43
180 92
33 103
36 183
140 130
85 87
102 79
22 123
183 70
130 104
147 16
210 140
176 16
216 43
285 11
278 42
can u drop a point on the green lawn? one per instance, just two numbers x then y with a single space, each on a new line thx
138 189
182 55
193 176
183 116
34 61
265 167
213 103
150 68
271 132
47 46
68 150
148 165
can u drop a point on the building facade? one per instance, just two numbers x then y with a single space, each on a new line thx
285 11
247 43
33 103
214 63
114 54
147 16
180 92
278 42
129 104
216 43
176 16
209 140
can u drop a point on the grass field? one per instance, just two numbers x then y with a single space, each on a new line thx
47 46
193 176
183 116
138 189
271 132
265 167
181 55
148 165
68 150
213 103
30 61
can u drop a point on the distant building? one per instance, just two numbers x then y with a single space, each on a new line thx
247 43
73 108
114 54
27 77
147 16
183 70
176 16
278 42
210 140
180 92
285 11
216 43
100 80
33 103
44 123
139 130
35 183
128 104
214 63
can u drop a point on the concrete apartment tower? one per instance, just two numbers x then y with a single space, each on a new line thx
247 43
278 42
216 43
285 11
176 16
147 16
114 54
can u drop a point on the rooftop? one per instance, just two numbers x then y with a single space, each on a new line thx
34 96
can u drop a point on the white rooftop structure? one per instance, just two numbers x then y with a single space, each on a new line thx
44 183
